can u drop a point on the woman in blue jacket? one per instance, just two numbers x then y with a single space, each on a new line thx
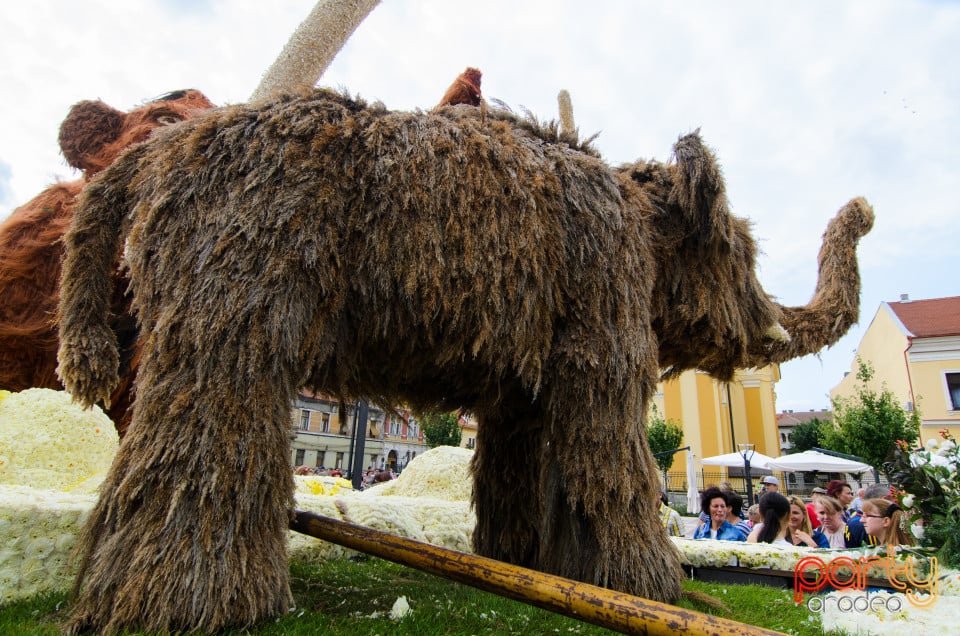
714 503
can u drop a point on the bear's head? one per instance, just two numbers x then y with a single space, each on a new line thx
94 134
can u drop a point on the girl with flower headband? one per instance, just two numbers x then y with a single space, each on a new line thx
883 521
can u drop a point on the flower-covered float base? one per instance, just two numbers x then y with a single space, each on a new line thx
429 501
883 612
39 521
853 611
54 455
38 530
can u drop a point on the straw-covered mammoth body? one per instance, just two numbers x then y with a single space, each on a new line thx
453 258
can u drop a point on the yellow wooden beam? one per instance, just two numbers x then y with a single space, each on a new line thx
608 608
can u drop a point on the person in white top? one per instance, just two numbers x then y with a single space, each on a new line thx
775 512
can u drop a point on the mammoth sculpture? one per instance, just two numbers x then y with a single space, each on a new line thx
450 258
31 242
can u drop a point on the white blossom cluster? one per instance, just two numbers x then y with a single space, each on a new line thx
38 530
887 614
716 553
938 453
440 473
50 443
429 501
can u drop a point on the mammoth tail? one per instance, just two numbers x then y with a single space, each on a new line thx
88 356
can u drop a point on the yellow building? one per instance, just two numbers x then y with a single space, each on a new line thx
322 436
914 347
717 416
468 430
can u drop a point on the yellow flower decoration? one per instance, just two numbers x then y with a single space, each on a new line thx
50 443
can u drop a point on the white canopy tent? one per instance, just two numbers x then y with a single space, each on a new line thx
693 495
814 460
735 460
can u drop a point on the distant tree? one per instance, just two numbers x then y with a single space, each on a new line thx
440 429
807 435
663 435
869 424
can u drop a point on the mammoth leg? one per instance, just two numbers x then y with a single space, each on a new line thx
191 526
599 517
505 485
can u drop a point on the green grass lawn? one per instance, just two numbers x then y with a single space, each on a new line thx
354 596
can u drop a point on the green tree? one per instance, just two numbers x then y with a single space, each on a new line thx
869 424
663 435
440 429
807 435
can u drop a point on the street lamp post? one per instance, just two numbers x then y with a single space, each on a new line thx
747 452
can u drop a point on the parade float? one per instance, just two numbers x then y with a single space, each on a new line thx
44 503
253 236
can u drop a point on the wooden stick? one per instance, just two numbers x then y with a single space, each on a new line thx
600 606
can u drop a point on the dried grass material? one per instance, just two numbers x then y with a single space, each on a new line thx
565 104
433 259
31 247
709 310
312 47
465 89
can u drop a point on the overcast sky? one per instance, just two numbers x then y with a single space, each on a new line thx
807 104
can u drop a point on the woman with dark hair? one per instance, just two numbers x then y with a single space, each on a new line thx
842 492
734 508
775 512
714 502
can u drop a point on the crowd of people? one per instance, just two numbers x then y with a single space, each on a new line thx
370 476
834 517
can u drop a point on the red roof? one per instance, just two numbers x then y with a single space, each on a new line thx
789 418
929 318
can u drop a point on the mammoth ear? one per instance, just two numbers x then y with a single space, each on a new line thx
699 188
88 128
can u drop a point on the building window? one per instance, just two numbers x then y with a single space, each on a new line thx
304 420
324 422
953 390
299 460
471 442
339 463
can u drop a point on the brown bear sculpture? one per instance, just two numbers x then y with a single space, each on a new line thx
31 245
449 259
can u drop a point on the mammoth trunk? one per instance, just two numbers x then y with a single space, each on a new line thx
835 305
89 353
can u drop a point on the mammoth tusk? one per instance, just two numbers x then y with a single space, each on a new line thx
777 332
313 46
567 126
